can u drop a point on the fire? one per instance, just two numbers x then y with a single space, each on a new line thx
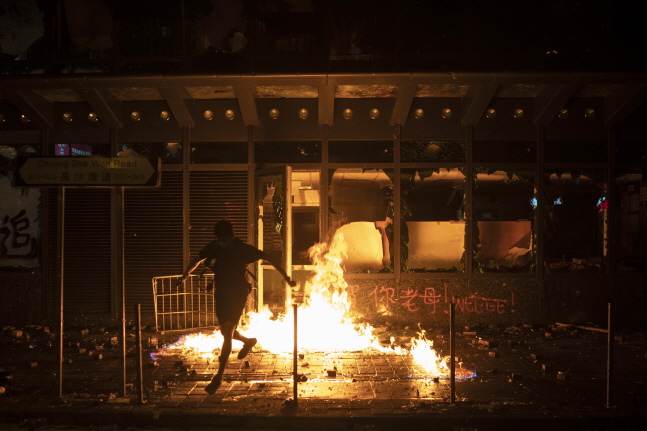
325 322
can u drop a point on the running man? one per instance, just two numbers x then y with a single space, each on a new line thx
228 257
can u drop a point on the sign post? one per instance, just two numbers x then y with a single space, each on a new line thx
92 171
88 172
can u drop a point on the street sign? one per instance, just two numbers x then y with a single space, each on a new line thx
91 171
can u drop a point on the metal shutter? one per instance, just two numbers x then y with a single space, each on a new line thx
152 239
87 251
214 196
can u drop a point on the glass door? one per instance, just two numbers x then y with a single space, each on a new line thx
288 223
273 234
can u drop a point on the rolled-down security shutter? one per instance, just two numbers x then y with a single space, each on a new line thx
152 239
215 196
87 251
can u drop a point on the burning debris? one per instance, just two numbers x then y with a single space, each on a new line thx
325 322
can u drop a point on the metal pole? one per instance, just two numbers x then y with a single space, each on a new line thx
121 285
452 355
61 265
609 355
295 372
140 364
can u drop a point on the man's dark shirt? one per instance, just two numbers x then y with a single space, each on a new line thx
230 264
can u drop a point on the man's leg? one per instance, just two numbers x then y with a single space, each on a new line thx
227 330
240 337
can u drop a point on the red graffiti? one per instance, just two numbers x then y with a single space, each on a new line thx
352 292
409 296
430 298
478 304
384 295
414 301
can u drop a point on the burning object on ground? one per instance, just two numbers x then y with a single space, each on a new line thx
327 300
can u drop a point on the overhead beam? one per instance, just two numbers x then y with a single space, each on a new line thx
247 104
35 107
478 103
549 102
104 104
620 105
403 102
326 104
177 102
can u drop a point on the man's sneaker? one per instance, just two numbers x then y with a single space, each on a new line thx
212 387
251 342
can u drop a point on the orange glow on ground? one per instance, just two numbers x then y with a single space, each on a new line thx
325 322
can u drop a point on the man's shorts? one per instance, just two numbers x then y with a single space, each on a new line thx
230 303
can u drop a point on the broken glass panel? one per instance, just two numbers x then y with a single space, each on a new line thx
504 217
575 220
361 208
270 205
10 155
631 210
169 152
432 151
432 235
306 186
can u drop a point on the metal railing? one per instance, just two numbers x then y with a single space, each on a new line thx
184 306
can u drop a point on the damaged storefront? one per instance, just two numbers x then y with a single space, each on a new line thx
515 198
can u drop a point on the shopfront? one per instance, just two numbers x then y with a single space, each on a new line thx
505 196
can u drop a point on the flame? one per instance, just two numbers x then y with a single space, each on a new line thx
325 322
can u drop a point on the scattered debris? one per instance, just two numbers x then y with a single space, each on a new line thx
588 328
515 378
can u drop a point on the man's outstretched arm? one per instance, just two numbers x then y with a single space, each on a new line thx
280 269
190 268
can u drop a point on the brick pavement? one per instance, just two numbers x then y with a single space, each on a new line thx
517 376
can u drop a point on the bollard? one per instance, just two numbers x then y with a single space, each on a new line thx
140 364
452 354
609 355
295 370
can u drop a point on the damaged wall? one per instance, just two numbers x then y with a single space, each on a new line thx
407 302
507 302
